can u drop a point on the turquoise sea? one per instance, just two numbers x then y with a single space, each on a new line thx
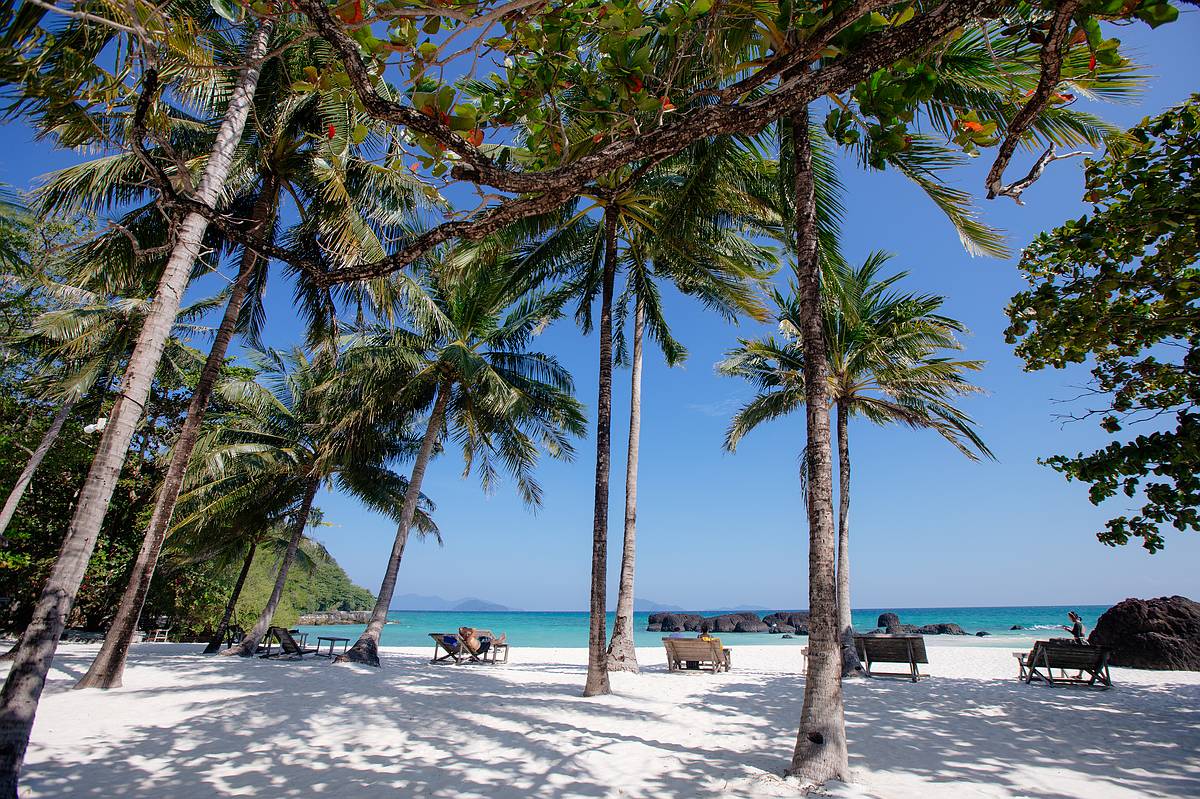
570 629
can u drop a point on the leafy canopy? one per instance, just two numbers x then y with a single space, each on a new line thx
1120 288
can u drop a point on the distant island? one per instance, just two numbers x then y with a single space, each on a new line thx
467 605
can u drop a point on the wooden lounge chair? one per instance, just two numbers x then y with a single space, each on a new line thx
710 655
907 649
454 650
1065 655
288 648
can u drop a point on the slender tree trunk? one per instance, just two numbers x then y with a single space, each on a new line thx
597 672
219 636
851 665
35 460
247 645
622 656
366 648
108 668
820 753
23 688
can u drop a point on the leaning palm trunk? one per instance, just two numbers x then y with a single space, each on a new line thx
597 672
622 656
249 643
35 460
851 665
108 668
23 688
219 635
820 753
366 648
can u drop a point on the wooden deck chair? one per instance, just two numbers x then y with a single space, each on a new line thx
451 647
288 648
708 654
489 650
902 648
1065 655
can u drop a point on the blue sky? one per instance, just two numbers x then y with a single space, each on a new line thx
928 527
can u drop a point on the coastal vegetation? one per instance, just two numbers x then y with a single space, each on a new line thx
434 222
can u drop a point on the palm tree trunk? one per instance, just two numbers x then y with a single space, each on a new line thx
851 665
366 648
215 644
820 753
23 688
247 645
35 460
108 668
622 656
597 672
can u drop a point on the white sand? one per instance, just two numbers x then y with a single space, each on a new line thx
187 725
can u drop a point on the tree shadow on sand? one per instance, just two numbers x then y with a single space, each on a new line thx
416 730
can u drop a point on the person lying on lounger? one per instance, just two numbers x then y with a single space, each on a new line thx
477 645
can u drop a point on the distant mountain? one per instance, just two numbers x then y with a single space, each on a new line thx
422 602
650 606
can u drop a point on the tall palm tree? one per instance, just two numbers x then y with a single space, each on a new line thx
25 681
466 363
285 154
885 364
285 438
693 227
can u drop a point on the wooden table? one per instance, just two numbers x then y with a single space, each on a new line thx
332 639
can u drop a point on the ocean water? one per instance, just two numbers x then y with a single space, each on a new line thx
570 629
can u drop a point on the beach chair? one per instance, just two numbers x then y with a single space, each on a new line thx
900 648
1065 655
450 646
710 655
288 648
489 648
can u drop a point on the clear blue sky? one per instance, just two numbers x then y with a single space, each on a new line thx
928 527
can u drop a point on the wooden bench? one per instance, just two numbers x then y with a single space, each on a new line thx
1065 655
682 651
902 648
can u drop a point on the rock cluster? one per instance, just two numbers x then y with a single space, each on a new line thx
1162 633
890 623
336 617
743 622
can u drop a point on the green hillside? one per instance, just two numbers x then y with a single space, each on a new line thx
324 587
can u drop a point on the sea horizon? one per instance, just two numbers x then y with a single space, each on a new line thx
569 629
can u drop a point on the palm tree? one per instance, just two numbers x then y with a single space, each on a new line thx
692 226
25 681
287 153
466 363
884 364
284 440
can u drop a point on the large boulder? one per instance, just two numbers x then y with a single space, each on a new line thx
679 622
782 628
748 626
1162 633
887 620
730 623
941 629
796 618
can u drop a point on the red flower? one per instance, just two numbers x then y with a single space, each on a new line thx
1092 64
332 131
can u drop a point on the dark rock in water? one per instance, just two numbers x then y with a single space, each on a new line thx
902 629
982 633
653 628
747 626
791 618
887 620
785 635
1162 633
680 622
942 629
1016 627
783 628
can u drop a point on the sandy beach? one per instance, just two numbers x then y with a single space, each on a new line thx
187 725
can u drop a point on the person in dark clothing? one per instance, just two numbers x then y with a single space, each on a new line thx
1077 630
